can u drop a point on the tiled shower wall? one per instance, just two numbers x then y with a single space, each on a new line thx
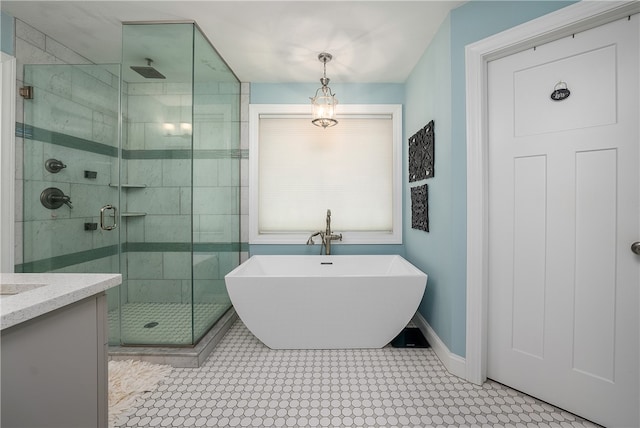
66 123
79 110
160 160
34 47
245 95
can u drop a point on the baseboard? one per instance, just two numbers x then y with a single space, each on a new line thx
455 364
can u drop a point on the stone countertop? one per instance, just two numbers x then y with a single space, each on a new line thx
45 292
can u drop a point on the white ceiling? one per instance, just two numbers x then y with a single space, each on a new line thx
262 41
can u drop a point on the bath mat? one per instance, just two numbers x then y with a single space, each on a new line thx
128 380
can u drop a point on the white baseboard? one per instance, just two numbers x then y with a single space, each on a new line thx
455 364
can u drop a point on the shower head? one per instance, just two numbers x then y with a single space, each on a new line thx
148 72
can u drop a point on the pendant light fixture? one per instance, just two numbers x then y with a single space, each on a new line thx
324 104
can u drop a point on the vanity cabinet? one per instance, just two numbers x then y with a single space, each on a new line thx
54 368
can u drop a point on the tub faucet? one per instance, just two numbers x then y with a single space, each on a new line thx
310 240
326 237
329 236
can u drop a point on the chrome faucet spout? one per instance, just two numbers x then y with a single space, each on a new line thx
325 237
310 240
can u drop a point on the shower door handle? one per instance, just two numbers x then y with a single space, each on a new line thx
102 211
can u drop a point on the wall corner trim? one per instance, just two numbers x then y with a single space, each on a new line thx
455 364
7 162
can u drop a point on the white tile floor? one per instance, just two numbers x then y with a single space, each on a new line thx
246 384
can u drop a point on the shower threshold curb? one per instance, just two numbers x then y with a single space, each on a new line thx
191 357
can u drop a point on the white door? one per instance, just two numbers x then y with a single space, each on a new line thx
563 213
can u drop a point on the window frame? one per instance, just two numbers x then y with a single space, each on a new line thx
304 111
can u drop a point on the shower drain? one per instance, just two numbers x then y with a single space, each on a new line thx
151 324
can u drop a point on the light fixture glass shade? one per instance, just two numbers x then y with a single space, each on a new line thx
324 109
324 105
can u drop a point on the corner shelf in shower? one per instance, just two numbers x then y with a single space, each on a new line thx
133 214
129 186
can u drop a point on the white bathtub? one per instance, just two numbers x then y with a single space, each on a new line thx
326 302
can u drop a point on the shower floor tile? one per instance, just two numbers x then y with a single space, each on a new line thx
163 323
245 384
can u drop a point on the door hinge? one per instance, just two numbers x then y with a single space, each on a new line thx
26 92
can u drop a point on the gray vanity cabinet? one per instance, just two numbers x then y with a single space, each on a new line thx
54 368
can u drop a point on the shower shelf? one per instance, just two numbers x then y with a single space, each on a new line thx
133 214
129 186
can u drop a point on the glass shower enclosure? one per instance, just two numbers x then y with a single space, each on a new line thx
144 157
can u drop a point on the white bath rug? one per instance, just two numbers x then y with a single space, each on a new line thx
128 380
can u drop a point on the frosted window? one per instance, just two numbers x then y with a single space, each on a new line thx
299 171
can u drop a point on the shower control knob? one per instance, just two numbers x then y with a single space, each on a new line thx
54 165
53 198
635 247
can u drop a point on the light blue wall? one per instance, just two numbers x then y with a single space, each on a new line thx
6 34
436 90
428 98
347 93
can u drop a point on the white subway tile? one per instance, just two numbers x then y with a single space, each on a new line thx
18 241
244 108
244 228
62 52
27 53
29 34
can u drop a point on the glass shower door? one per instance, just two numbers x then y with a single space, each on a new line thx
70 134
180 105
216 183
216 179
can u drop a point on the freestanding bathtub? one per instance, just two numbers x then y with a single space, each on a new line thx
326 302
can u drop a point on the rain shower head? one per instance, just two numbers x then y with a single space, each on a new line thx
148 72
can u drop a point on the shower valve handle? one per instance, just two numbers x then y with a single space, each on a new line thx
54 166
64 199
53 198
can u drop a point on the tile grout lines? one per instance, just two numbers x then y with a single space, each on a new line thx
245 384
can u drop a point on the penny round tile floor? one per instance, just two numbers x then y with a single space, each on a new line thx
245 384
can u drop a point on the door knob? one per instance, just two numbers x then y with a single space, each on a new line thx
635 247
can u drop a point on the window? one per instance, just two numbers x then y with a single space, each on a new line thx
297 171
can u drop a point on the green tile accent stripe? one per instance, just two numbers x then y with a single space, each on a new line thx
156 247
34 133
200 247
59 262
184 154
157 154
228 247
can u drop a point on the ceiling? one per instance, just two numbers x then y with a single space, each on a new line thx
262 41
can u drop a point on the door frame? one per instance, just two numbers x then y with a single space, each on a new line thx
562 23
7 161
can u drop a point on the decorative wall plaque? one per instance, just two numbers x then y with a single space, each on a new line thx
420 207
421 151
